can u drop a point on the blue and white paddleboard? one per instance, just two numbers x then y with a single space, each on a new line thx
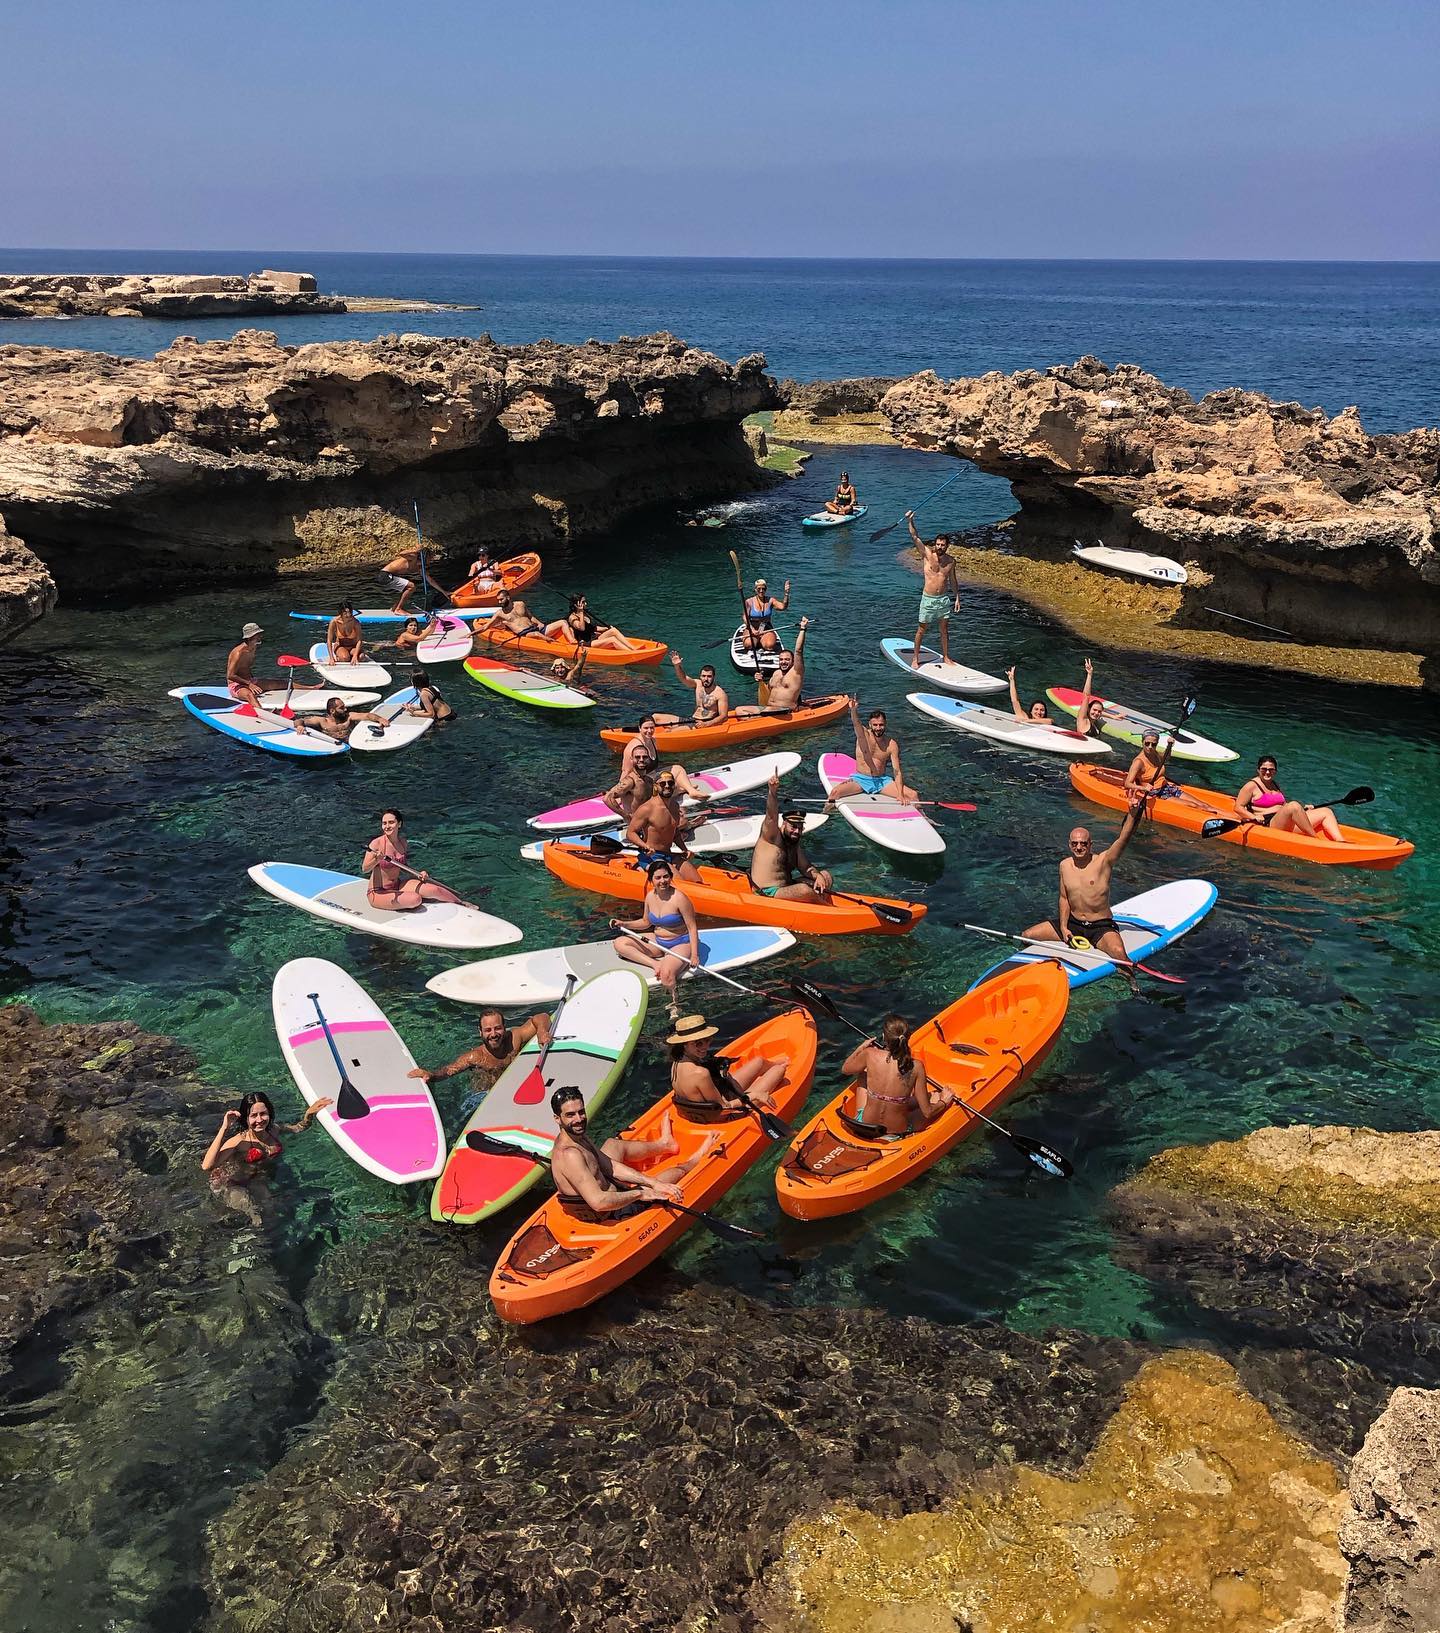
539 977
261 730
938 671
1004 727
343 899
1148 922
825 518
379 615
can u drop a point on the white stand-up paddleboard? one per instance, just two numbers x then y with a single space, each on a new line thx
364 674
719 834
1148 923
734 778
401 729
937 671
452 642
826 518
343 899
1130 725
316 699
887 821
399 1137
383 615
539 977
1004 728
1133 563
272 732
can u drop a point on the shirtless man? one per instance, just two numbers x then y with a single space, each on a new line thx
344 637
594 1181
711 704
845 497
779 856
400 573
240 679
1085 894
516 616
940 594
339 721
892 1084
498 1046
655 827
644 743
787 679
877 761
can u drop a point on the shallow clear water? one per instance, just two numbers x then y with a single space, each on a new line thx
1309 994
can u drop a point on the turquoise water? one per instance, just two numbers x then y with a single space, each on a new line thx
1309 992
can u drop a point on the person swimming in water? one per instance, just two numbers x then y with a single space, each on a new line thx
244 1147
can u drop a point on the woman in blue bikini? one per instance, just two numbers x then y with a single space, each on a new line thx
667 920
877 761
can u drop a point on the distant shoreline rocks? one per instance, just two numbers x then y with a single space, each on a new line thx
185 295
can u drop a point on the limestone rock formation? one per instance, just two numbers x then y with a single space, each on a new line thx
1392 1535
840 411
1290 512
155 295
244 456
27 590
1322 1238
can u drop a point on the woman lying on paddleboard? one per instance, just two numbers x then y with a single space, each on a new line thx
429 702
892 1083
391 883
243 1147
1260 801
667 918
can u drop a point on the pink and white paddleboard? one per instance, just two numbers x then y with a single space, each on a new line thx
452 642
399 1137
721 780
896 826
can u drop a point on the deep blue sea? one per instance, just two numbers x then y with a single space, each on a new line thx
1325 334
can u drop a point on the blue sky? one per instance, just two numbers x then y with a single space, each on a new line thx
1268 129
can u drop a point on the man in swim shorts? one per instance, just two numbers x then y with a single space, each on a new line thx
593 1183
240 679
1084 907
655 827
399 573
778 864
877 761
940 595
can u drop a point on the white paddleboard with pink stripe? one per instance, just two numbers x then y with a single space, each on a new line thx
887 821
720 779
399 1138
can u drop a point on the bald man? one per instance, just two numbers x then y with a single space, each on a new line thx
1085 893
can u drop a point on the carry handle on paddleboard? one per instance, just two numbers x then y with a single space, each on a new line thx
349 1102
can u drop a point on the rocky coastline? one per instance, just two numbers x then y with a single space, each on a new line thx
185 295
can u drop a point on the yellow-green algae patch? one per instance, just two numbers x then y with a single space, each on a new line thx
851 429
1195 1512
1342 1176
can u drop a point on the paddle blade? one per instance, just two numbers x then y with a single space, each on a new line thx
1357 796
812 997
775 1128
1046 1158
491 1147
954 805
1215 826
289 661
1187 708
882 910
350 1104
875 538
604 845
728 1232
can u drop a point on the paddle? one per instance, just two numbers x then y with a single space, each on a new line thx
1224 825
875 538
1045 1157
460 900
721 1227
762 686
349 1102
1052 951
1255 624
292 664
941 804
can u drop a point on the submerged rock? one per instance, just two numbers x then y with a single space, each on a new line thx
1323 1238
27 591
1392 1535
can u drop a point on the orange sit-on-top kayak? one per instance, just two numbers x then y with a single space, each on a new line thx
506 640
1013 1021
735 728
724 893
516 573
556 1262
1360 848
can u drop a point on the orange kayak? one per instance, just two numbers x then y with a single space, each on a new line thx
723 893
638 651
736 728
555 1262
516 573
1015 1019
1360 848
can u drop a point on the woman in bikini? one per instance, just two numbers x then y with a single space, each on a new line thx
343 638
580 626
392 885
429 701
244 1146
705 1086
1261 801
667 918
892 1083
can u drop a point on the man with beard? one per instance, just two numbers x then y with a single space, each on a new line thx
499 1044
593 1182
655 828
779 865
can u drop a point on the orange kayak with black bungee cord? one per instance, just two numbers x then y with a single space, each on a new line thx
735 728
556 1262
725 893
638 652
1360 847
516 573
1013 1021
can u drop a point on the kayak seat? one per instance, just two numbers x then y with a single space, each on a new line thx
864 1131
703 1111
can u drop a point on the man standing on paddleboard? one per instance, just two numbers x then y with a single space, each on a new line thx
498 1046
940 594
1084 913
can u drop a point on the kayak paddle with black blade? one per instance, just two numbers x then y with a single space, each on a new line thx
1225 825
349 1102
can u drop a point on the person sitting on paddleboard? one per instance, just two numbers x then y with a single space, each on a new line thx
516 616
893 1088
581 626
339 720
712 706
1084 909
240 679
1260 802
498 1046
939 590
656 825
393 884
760 608
244 1145
1149 773
1037 714
706 1087
400 573
595 1183
786 679
343 637
845 498
779 857
667 921
877 761
643 742
429 701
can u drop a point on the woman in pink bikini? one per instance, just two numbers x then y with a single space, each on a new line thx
390 887
892 1082
1260 801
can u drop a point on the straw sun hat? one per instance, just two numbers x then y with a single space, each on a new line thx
690 1029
